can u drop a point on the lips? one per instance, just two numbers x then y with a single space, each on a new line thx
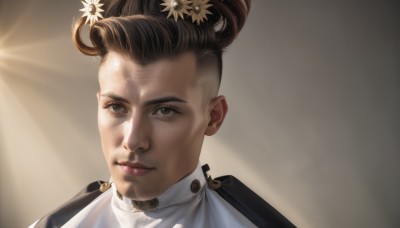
134 169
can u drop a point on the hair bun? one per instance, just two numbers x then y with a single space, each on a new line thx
230 17
224 18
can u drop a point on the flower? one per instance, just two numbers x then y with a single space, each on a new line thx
92 11
199 10
177 8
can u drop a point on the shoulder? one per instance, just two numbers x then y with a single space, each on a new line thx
251 205
247 202
66 211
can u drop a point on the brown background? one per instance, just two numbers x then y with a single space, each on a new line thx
313 127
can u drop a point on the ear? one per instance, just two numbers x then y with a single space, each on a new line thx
98 96
217 112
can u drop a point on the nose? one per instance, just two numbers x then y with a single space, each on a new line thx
136 135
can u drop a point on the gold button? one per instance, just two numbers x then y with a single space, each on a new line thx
146 205
195 186
104 186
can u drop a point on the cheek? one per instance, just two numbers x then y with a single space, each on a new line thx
182 137
102 125
109 132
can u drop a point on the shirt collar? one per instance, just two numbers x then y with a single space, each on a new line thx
183 191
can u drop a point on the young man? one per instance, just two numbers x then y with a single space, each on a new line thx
161 66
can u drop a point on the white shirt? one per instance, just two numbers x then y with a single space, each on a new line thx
177 207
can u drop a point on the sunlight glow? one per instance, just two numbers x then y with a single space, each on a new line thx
2 53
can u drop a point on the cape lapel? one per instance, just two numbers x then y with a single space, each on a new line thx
69 209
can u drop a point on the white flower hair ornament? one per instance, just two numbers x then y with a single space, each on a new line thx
197 9
92 11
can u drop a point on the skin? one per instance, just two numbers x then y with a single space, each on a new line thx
153 119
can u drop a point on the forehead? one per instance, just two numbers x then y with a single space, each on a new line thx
119 73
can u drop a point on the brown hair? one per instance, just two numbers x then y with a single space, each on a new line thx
141 30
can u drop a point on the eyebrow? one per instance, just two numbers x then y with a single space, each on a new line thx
115 97
149 102
164 100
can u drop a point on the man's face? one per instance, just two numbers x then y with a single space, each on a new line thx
152 120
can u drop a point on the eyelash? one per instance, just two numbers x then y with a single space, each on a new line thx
168 108
112 105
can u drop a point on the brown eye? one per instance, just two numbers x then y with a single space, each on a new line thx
116 108
165 111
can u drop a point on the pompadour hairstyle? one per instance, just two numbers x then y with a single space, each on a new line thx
139 29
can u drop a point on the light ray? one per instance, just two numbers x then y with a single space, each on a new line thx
7 34
19 55
18 58
34 44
